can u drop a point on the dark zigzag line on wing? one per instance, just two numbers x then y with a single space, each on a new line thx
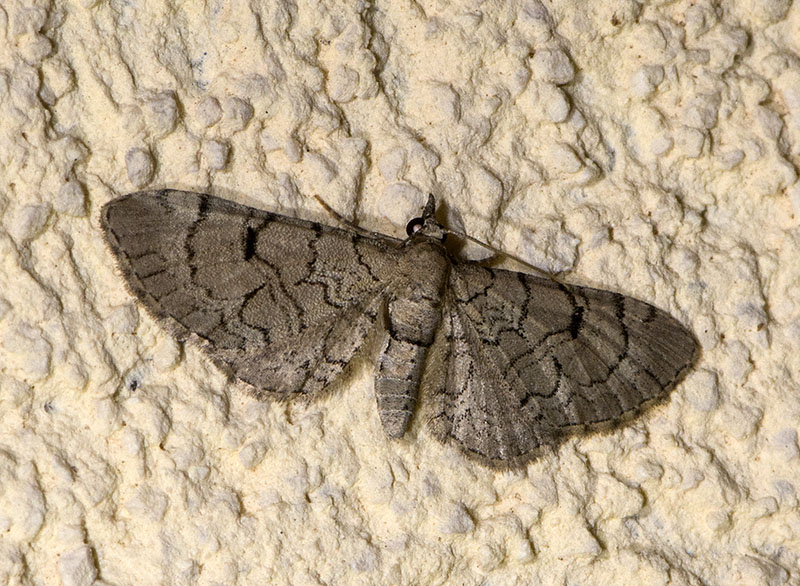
468 324
323 355
191 230
313 271
616 371
547 337
612 372
560 370
354 238
265 333
300 312
571 327
474 342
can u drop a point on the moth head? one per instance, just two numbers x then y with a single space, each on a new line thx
426 225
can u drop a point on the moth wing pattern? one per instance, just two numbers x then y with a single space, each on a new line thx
284 303
528 361
513 363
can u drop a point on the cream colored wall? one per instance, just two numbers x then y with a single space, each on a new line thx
649 149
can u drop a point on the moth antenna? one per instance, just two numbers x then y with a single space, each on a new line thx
504 253
341 219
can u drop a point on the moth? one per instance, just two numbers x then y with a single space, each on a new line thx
512 363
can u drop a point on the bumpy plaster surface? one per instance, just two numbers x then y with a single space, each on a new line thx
647 149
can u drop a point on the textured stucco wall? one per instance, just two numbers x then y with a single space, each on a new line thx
649 149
